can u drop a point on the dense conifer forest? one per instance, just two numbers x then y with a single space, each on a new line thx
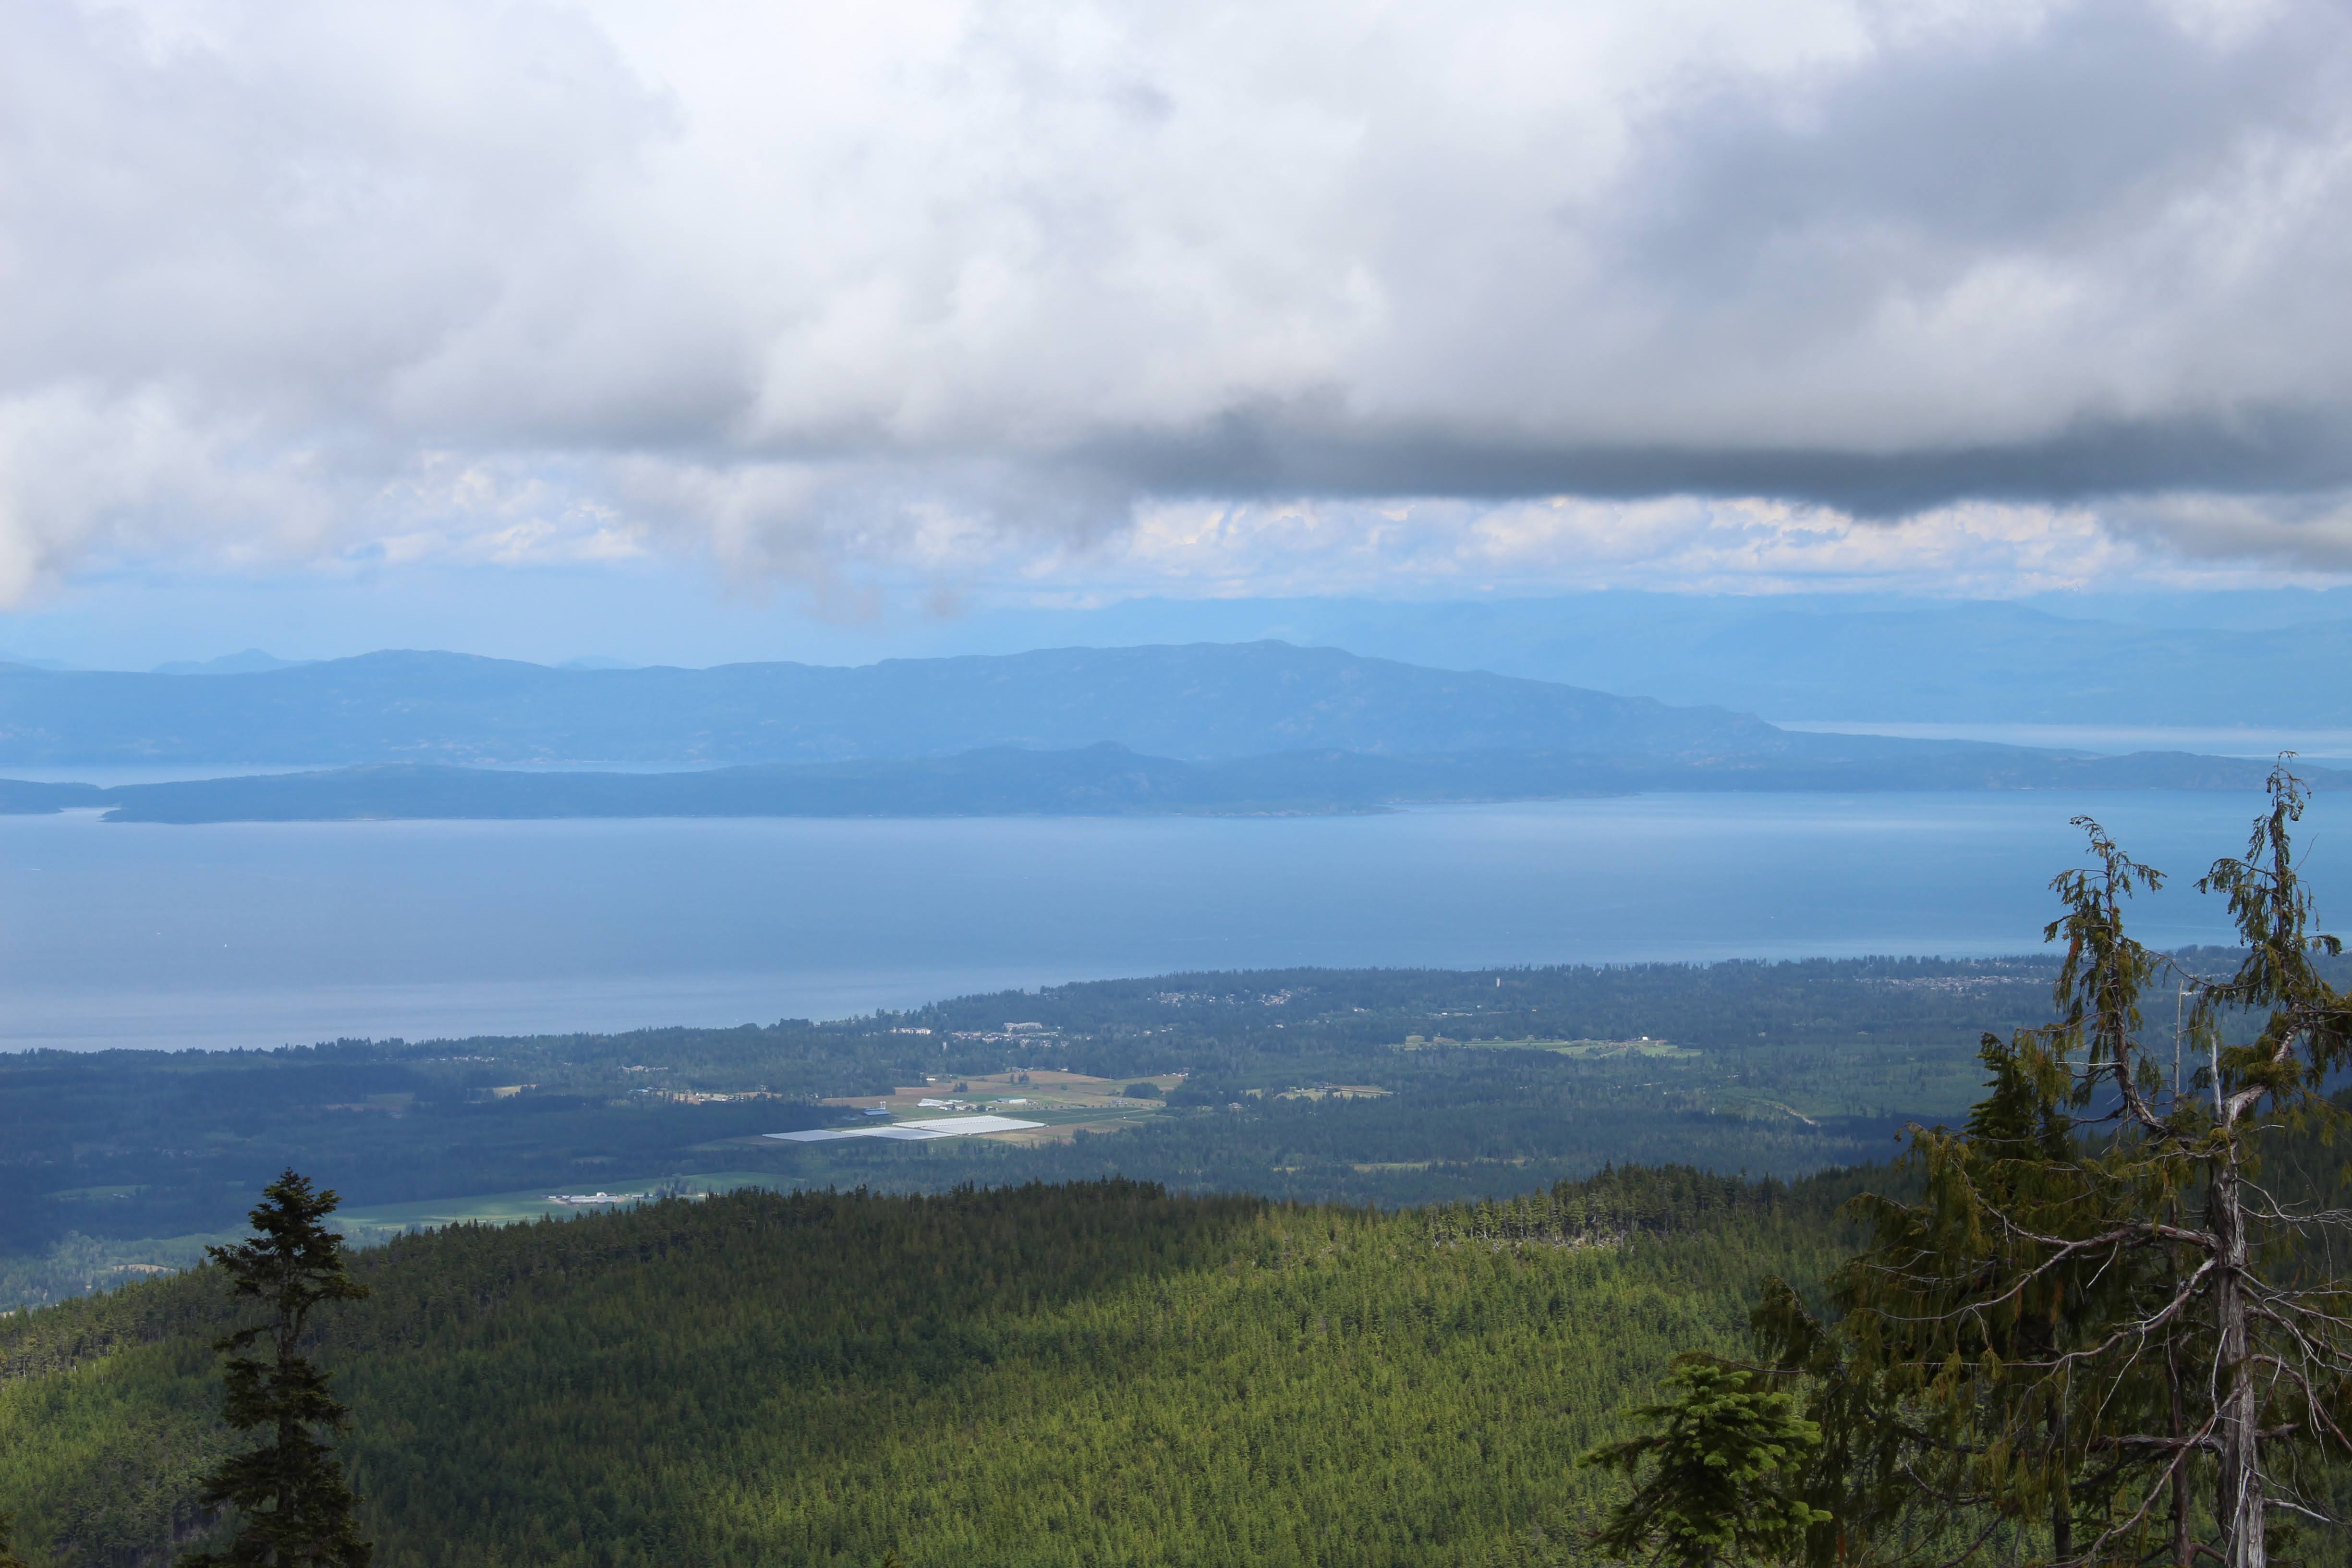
1096 1373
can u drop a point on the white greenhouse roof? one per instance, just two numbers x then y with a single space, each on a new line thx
934 1127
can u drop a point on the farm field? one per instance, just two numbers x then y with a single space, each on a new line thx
1662 1049
1065 1103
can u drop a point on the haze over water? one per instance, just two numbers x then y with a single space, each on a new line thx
266 933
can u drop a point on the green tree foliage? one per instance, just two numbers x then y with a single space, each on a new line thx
2114 1326
8 1558
1725 1471
1030 1377
291 1505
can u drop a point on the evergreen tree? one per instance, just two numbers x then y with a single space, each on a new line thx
2104 1334
292 1505
8 1558
1726 1472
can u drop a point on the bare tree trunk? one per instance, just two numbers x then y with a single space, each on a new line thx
2062 1501
2239 1493
2184 1551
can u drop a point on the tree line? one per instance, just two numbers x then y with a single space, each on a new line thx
2114 1325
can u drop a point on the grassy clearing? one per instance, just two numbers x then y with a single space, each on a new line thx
1661 1049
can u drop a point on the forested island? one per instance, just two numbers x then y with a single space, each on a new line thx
1103 780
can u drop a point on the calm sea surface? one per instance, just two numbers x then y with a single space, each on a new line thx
257 934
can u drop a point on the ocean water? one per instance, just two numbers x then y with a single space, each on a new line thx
2328 748
259 934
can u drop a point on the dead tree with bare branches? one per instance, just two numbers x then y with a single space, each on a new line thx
2115 1325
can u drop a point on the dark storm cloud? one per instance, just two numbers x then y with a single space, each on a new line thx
2282 453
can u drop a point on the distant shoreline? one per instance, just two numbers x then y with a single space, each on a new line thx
1110 781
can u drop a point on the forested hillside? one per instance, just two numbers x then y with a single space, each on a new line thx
1095 1373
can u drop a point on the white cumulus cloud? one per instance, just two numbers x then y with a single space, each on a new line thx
953 287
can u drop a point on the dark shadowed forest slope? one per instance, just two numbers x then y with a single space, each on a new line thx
1094 1373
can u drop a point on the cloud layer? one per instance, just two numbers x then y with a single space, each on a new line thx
931 284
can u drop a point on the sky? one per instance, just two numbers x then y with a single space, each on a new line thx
396 324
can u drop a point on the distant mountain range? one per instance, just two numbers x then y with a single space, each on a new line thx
1201 702
251 662
1224 728
1993 662
2202 660
2199 660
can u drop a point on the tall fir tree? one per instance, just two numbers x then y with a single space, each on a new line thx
2104 1333
1726 1471
292 1507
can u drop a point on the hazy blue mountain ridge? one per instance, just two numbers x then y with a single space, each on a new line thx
1198 703
2199 660
1995 662
2089 657
1204 728
248 661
